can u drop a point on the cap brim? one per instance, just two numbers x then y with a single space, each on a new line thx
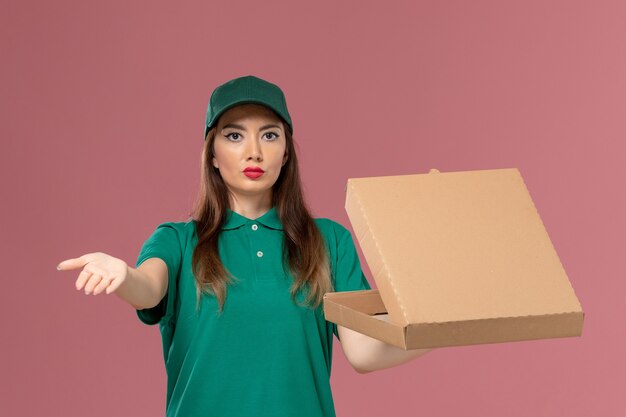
238 102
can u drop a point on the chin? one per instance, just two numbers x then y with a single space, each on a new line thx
257 186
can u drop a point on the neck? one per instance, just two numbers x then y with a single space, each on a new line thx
251 207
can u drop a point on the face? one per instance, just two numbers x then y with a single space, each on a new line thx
249 135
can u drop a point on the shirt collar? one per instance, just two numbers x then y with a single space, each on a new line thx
235 220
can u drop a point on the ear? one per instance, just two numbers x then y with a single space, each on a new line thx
285 159
215 164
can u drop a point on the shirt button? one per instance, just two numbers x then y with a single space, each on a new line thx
259 254
254 227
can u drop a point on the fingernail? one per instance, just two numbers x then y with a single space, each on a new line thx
58 268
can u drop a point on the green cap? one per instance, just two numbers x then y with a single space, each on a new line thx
248 89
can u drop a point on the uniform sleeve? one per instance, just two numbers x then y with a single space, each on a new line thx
348 273
164 243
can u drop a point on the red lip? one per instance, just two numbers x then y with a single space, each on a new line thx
253 169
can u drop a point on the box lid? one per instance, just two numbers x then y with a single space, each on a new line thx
457 246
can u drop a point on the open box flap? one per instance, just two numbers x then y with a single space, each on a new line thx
477 248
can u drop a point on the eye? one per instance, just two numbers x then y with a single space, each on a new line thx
272 133
234 133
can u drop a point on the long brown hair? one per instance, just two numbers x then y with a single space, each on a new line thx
304 251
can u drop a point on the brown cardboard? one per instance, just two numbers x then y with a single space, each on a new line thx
459 258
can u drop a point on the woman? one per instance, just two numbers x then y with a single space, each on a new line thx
237 290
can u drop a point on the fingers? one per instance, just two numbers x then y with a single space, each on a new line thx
113 286
96 284
82 279
102 285
95 280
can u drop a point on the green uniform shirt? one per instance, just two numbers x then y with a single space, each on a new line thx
264 356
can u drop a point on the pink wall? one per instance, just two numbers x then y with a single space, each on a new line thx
103 106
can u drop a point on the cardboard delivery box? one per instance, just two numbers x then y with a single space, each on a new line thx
459 258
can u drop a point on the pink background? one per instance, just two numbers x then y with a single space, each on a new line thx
103 107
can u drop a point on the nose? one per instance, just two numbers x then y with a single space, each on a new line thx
254 150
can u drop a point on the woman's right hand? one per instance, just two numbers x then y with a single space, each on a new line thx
100 272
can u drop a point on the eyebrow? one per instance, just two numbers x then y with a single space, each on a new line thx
240 127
